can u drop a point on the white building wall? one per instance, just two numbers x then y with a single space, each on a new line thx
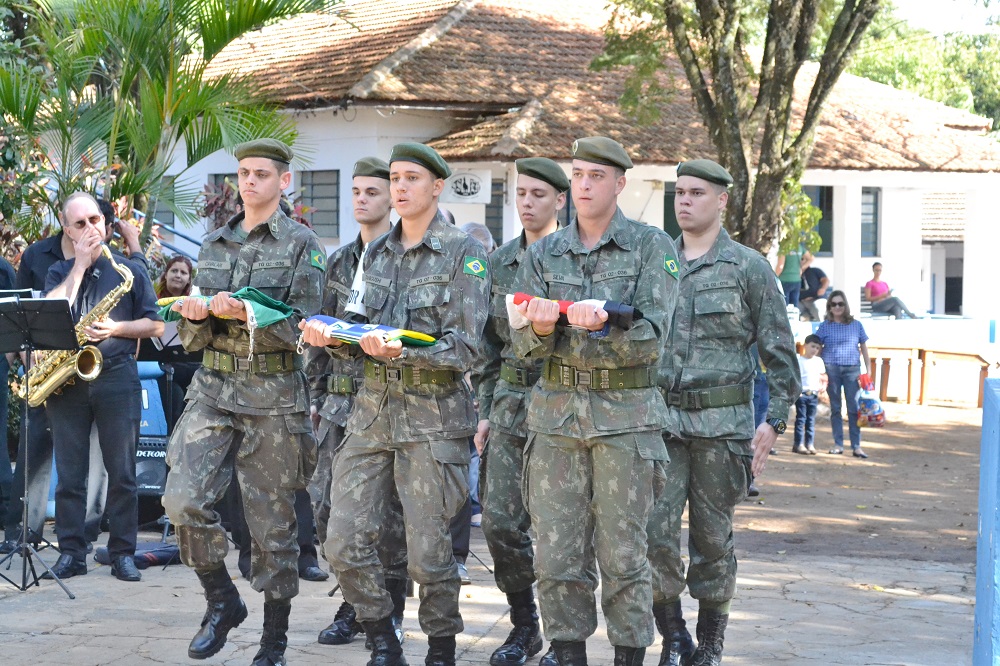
982 241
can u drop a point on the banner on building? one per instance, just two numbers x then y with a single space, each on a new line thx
468 187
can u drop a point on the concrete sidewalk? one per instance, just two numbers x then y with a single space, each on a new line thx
835 610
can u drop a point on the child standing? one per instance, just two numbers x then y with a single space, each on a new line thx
813 372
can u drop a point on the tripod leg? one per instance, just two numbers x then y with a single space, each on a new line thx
27 552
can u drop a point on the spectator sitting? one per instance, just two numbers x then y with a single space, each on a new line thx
880 296
815 287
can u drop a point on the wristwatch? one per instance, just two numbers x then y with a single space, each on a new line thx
778 425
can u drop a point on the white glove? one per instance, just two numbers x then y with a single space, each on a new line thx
514 316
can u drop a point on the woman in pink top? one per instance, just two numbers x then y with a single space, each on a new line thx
880 296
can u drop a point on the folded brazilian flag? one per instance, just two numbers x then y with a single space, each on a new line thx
345 331
261 308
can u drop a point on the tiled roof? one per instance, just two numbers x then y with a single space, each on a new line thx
533 57
314 59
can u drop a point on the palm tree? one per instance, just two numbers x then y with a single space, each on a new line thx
113 90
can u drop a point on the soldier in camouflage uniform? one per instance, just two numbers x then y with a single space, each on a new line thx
411 421
249 412
502 384
335 378
728 298
595 416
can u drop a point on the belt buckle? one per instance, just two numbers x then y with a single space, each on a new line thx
393 374
521 375
584 378
605 379
691 400
241 363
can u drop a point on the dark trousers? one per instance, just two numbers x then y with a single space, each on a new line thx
805 419
34 453
461 531
6 476
113 402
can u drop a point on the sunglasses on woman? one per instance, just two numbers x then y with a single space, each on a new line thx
838 304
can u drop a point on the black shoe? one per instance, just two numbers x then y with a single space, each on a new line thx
343 629
386 650
711 630
9 546
549 658
225 612
440 651
753 490
463 574
570 653
629 656
858 453
123 568
313 574
274 639
67 566
525 639
677 644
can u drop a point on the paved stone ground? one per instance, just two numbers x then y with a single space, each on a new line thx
801 610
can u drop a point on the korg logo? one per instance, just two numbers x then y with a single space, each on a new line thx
150 454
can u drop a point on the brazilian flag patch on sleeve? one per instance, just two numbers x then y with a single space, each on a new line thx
670 265
317 259
474 266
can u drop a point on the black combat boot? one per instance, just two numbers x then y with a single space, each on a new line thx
225 612
396 587
629 656
525 639
549 658
386 650
570 653
711 627
343 629
677 644
274 639
440 651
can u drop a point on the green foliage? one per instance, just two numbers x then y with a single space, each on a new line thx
798 220
106 93
975 59
908 59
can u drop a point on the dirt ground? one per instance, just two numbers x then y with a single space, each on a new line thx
914 498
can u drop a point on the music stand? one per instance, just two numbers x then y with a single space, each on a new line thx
28 325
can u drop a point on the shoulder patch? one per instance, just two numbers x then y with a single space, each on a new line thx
474 266
317 259
670 265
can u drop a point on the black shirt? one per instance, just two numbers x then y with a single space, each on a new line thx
811 278
98 281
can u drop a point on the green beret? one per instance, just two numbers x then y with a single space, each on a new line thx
545 169
272 149
601 150
420 154
706 170
371 166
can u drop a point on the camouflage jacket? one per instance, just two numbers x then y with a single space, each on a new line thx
285 261
321 363
440 287
631 264
503 403
729 298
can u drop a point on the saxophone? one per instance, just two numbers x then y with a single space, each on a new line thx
55 369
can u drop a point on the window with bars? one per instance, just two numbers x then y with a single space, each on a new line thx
320 191
822 198
494 211
870 211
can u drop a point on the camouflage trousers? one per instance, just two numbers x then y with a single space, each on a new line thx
505 520
273 455
711 477
391 546
591 499
431 479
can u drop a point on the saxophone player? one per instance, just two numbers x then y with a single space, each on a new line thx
95 285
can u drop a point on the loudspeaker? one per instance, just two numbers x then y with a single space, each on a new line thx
151 465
